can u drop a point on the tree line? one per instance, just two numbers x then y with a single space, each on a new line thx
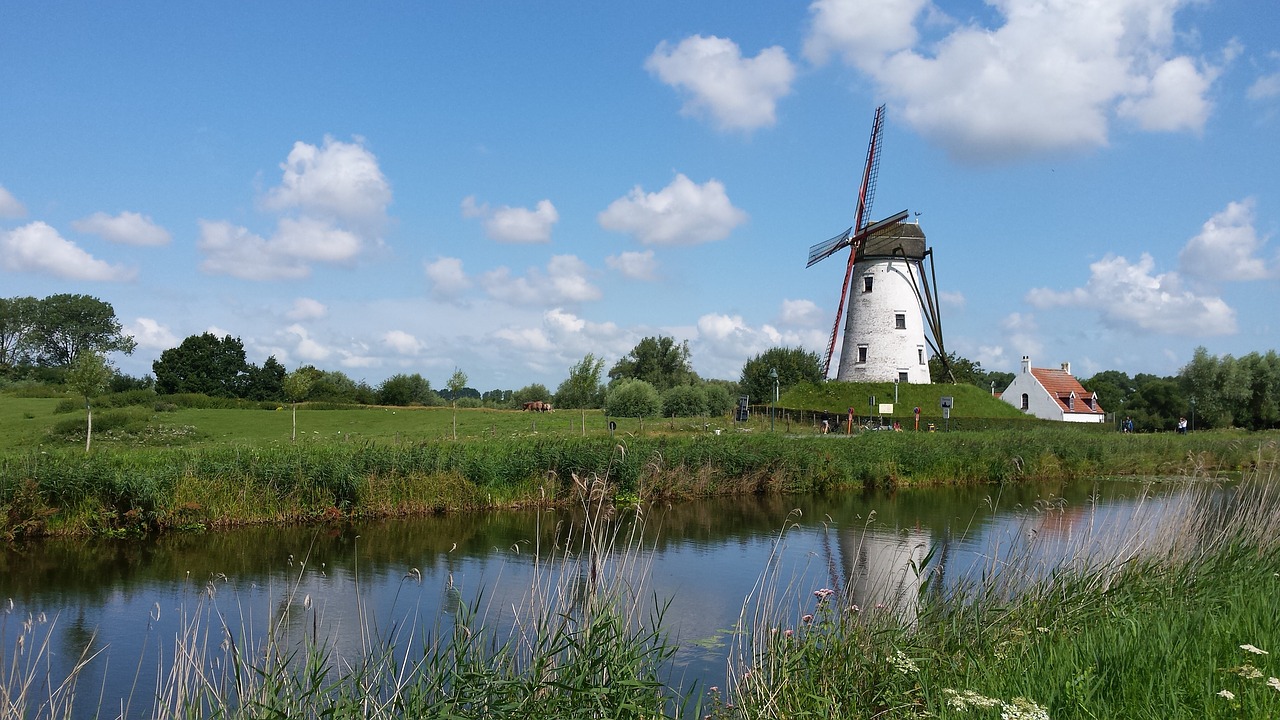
43 340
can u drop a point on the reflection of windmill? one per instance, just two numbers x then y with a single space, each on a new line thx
884 335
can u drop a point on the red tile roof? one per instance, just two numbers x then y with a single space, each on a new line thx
1061 384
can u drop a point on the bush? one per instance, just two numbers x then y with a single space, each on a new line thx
684 401
718 400
632 398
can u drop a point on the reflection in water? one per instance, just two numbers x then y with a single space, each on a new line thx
405 580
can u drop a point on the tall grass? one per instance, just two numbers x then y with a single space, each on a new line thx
1169 614
143 489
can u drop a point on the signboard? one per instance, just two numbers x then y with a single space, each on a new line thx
946 402
886 408
946 413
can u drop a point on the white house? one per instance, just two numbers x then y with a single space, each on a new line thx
1052 395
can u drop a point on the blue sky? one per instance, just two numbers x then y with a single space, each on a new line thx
504 188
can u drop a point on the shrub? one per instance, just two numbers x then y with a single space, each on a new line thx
718 400
632 398
684 401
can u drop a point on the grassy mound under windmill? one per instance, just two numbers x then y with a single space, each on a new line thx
972 407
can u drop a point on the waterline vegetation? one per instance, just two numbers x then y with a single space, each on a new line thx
1168 614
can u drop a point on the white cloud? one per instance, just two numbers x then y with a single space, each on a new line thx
1175 98
150 334
402 342
37 247
1128 296
805 313
634 265
722 344
564 281
446 278
305 308
306 348
514 224
233 250
862 33
1264 88
340 199
1046 79
737 93
128 228
682 213
1226 247
337 181
953 299
309 238
9 205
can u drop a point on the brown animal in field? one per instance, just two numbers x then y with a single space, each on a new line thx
537 406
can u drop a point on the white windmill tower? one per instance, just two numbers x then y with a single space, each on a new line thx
893 324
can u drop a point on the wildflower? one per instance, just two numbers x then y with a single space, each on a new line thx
788 632
823 593
1226 694
855 609
807 619
713 690
1042 629
1273 683
1022 709
962 701
1250 648
1248 672
904 664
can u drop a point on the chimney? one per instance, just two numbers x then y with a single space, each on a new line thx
1066 368
1026 364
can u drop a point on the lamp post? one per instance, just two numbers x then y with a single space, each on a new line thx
773 373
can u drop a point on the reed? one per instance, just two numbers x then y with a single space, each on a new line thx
142 489
1168 613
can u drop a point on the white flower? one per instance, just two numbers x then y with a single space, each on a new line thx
1250 648
1273 683
1227 694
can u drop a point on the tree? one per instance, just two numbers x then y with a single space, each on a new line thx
296 386
457 382
659 361
967 372
68 324
684 401
1114 390
794 366
204 364
266 382
582 389
404 390
632 398
88 377
18 317
530 393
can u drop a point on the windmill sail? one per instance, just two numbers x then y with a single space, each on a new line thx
827 248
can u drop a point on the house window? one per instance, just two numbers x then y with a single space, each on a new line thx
902 376
862 353
866 283
920 352
1026 401
1071 402
900 321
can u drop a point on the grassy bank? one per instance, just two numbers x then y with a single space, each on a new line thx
139 489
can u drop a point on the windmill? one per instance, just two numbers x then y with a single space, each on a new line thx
885 331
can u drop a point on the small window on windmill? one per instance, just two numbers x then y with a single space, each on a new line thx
862 353
920 353
900 321
902 376
866 283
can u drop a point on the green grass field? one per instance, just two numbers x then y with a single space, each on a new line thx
29 422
